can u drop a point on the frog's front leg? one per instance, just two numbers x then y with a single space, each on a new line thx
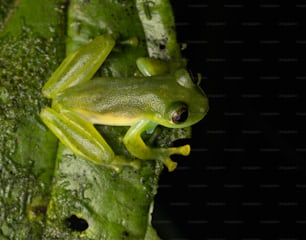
82 138
152 66
79 66
135 144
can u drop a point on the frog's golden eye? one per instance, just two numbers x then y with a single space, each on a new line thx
180 113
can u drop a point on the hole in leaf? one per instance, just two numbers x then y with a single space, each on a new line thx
162 46
76 224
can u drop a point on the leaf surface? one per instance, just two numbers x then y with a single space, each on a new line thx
45 191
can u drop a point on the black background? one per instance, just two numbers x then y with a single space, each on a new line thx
246 175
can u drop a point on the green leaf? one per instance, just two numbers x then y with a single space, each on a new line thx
29 52
45 191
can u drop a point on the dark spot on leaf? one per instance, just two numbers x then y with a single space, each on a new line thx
162 46
125 234
39 210
76 224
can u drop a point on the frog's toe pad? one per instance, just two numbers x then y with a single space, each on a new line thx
183 150
170 164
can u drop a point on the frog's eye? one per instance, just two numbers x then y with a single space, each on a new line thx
179 113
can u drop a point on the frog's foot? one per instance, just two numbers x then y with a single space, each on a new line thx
121 161
165 153
133 41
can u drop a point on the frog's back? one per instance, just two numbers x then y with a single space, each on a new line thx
117 95
128 100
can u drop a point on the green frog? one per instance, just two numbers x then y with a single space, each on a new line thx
80 101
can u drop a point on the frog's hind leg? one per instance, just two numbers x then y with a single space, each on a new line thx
79 135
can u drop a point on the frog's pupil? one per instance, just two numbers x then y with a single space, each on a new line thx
180 115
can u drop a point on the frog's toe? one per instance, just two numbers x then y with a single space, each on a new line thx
170 164
121 161
136 164
183 150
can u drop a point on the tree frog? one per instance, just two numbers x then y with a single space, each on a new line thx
78 102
